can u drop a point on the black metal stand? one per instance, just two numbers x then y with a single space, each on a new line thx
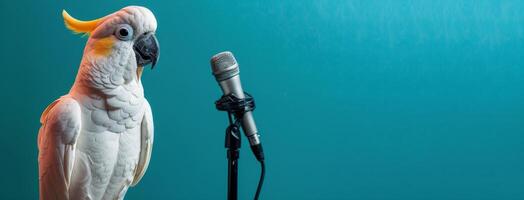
233 147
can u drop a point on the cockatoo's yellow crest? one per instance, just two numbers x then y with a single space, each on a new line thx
79 26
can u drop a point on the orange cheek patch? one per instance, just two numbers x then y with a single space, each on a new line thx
103 46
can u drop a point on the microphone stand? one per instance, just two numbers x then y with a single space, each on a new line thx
235 108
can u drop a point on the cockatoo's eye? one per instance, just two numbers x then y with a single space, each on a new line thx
124 32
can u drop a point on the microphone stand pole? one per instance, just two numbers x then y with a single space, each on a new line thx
232 145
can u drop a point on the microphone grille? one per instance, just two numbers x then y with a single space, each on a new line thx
224 65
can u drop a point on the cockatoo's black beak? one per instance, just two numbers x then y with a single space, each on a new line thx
146 50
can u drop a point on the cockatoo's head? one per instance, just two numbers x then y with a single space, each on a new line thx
121 42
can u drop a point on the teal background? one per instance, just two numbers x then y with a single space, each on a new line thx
356 99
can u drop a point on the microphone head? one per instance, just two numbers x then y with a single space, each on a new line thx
224 66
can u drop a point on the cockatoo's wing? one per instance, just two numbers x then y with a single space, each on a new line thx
57 136
146 144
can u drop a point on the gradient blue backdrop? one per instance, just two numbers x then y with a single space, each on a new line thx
356 99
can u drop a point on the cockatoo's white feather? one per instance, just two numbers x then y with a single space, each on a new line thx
146 145
57 139
96 141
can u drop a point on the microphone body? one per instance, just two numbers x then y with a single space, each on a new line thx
226 71
233 85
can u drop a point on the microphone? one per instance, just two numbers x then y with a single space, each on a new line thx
226 72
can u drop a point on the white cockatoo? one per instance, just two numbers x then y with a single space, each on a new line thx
96 140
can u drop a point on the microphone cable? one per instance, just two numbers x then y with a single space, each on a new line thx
237 107
261 181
